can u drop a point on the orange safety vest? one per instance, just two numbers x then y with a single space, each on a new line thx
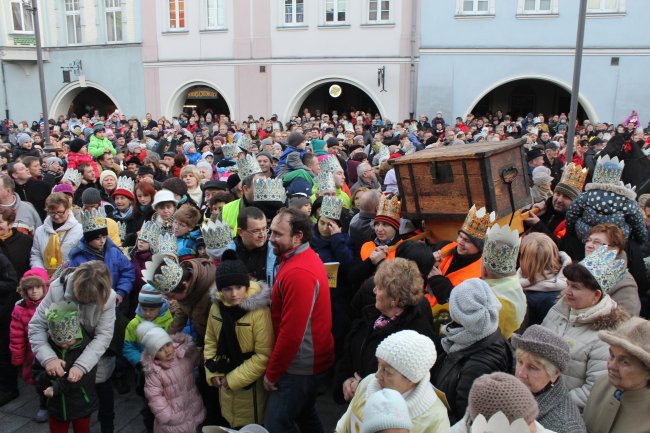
560 230
369 247
473 270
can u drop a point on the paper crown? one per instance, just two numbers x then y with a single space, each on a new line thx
92 220
248 166
498 423
384 154
169 274
149 233
608 170
477 222
604 267
330 164
126 184
501 249
574 176
216 234
331 207
167 245
73 176
121 230
230 151
244 143
389 207
63 322
324 182
269 190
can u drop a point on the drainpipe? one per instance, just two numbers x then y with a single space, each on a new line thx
412 83
4 88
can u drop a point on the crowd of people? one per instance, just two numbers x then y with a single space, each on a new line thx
240 269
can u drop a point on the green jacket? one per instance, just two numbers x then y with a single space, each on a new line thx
133 347
229 214
96 146
339 194
289 177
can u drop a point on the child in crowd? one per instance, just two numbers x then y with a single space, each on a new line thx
189 150
78 154
152 307
168 364
67 402
140 254
164 203
32 287
216 204
238 341
187 235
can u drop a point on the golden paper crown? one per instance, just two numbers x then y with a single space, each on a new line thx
574 176
477 222
389 207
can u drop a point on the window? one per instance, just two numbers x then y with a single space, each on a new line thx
73 21
335 11
378 10
22 17
216 14
605 6
475 7
537 7
113 20
176 14
294 11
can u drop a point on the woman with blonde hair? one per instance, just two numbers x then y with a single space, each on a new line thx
192 178
540 274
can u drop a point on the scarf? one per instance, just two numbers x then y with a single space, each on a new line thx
457 338
7 235
124 215
229 355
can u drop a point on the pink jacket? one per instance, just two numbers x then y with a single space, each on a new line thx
76 159
170 389
21 351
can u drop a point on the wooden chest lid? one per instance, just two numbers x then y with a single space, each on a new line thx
460 151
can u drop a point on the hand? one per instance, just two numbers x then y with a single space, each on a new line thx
380 253
118 299
55 367
75 374
350 387
434 272
531 220
224 383
48 392
269 386
107 149
217 381
335 229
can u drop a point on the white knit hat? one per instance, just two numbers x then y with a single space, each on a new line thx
385 409
152 337
473 305
410 353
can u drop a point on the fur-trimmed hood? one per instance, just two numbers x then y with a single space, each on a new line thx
258 295
183 346
620 189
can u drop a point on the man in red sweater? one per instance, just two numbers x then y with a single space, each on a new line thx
302 321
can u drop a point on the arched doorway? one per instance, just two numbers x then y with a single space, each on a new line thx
321 97
199 96
73 98
519 97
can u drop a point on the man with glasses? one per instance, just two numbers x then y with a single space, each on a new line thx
252 245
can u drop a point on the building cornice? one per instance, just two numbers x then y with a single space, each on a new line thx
536 51
278 61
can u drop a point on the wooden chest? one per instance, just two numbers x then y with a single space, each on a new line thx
442 184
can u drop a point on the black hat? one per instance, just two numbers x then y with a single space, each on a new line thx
231 271
552 145
534 153
134 160
175 185
145 169
233 180
418 252
172 154
94 234
295 138
91 196
216 184
332 142
596 141
76 145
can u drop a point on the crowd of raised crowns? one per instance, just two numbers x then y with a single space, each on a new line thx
184 229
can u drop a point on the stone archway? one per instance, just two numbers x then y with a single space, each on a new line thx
198 91
64 101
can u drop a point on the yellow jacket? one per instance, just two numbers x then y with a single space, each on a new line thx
513 303
255 334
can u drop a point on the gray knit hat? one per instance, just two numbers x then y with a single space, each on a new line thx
22 138
543 342
473 305
91 196
503 392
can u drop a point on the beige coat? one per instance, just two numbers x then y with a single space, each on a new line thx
626 294
589 354
605 414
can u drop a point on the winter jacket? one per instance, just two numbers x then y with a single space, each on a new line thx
195 306
605 203
254 332
193 158
170 390
8 294
427 412
75 159
133 347
97 322
254 259
69 235
589 353
302 316
71 400
138 261
607 414
626 294
187 245
34 191
17 248
557 411
27 219
454 373
121 270
97 147
362 341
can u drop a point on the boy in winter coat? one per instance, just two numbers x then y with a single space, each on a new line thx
99 144
168 364
140 254
238 342
78 154
68 402
187 236
32 287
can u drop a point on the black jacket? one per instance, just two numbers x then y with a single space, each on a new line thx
35 192
71 400
362 341
17 248
455 373
8 285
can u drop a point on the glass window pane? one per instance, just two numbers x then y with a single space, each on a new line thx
611 4
482 6
529 5
593 4
110 30
300 11
545 5
118 26
17 16
468 6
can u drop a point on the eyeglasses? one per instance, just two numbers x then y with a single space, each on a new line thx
258 232
596 243
59 213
